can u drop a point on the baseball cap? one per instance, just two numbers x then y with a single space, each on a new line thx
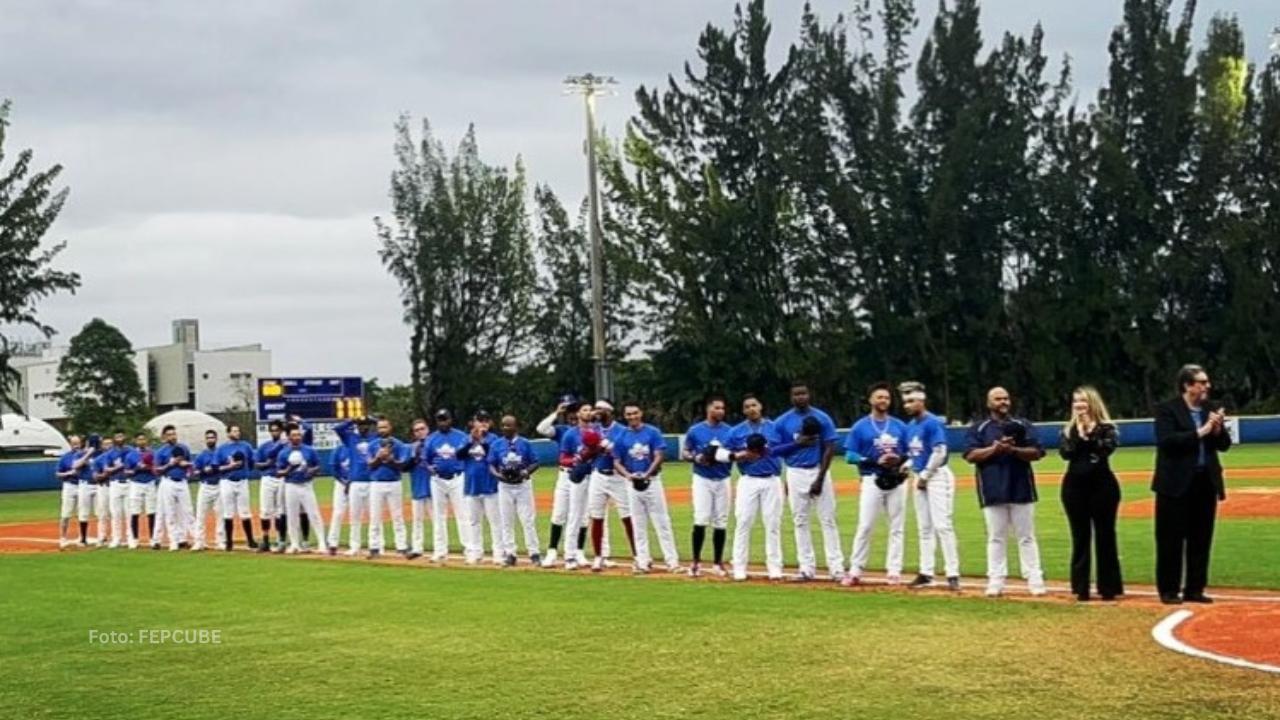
443 414
604 405
481 415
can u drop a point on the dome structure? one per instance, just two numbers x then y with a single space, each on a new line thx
190 424
23 435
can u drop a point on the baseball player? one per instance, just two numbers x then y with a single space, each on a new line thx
94 497
75 467
605 488
419 487
140 468
340 463
1002 448
572 484
208 472
359 439
117 477
387 459
512 464
270 488
759 489
808 443
173 465
235 462
296 465
442 453
481 490
877 447
935 487
637 454
712 492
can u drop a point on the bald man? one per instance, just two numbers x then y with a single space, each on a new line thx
1001 448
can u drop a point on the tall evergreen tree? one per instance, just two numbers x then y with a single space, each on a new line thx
98 381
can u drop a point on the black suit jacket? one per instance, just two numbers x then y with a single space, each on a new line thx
1177 447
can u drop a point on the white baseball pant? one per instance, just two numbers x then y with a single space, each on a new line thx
578 517
179 515
233 495
271 498
803 507
479 509
160 533
515 503
208 502
98 502
299 498
358 495
871 502
758 496
118 500
70 500
934 507
603 488
560 499
1021 519
711 502
339 509
650 506
143 497
446 499
386 494
86 493
419 519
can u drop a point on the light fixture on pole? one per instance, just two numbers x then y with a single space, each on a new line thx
589 86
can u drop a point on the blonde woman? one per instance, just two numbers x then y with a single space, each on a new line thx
1091 494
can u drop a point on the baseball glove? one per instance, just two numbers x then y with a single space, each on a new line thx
810 427
579 472
640 482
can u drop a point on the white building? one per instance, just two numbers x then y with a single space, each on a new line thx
180 375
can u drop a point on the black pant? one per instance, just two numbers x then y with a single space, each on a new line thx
1091 500
1185 525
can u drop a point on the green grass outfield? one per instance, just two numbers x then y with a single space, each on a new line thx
309 639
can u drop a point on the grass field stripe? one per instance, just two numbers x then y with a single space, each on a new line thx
1163 634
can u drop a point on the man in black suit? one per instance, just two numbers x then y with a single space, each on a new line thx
1190 432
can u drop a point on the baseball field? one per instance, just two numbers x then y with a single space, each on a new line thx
102 633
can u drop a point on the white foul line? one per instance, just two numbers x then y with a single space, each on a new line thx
1163 634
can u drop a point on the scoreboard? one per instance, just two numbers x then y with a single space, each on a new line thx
310 398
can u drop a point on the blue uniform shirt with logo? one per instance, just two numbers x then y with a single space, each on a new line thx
299 472
443 450
241 451
138 472
636 448
1003 480
388 471
514 452
419 472
699 437
609 440
924 433
340 464
870 439
768 465
358 448
478 480
167 452
788 429
206 464
86 471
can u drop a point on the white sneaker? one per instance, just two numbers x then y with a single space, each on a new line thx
353 552
94 542
719 571
133 544
582 558
838 576
893 579
739 577
597 565
63 544
571 564
1037 590
472 561
196 548
609 563
439 558
674 568
173 547
774 577
114 544
638 569
994 591
550 560
293 550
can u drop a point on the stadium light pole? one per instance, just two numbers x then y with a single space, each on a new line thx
590 86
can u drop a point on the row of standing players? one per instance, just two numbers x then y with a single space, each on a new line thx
479 475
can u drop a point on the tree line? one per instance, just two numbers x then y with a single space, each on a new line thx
768 221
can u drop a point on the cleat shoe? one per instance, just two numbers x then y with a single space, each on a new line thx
851 581
114 545
413 555
775 577
674 568
94 542
740 577
638 569
155 546
838 576
953 584
805 576
535 559
597 565
719 570
442 559
994 591
550 560
1037 590
571 564
1200 598
253 545
352 552
509 561
609 563
374 554
333 551
1172 599
921 581
293 550
695 570
133 544
264 547
197 548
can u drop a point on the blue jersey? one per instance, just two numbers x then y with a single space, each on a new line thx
768 465
478 480
924 433
636 449
176 451
136 469
788 429
237 451
301 471
609 440
420 472
340 464
99 466
703 435
516 452
443 450
207 466
388 471
1005 479
358 449
66 464
871 439
264 457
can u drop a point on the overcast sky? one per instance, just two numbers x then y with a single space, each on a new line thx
225 159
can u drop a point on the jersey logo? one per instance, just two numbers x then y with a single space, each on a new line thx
639 451
915 447
447 451
477 452
362 447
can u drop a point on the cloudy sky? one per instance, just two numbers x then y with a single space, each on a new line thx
225 159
